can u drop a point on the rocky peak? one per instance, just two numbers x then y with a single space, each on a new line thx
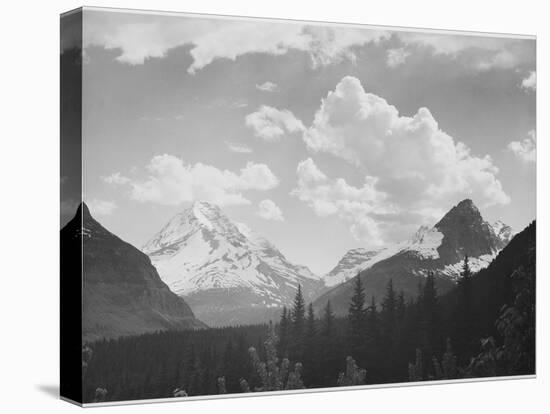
84 225
466 233
200 217
83 211
464 213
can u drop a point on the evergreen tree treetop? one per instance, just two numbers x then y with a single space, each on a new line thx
357 305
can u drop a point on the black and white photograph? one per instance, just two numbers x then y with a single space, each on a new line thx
256 205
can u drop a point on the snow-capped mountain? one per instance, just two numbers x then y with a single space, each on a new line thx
226 272
439 249
350 265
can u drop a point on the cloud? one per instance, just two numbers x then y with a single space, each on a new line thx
267 87
172 182
476 52
238 148
68 207
101 207
335 197
116 179
329 45
268 210
396 57
525 149
139 38
271 123
530 82
409 162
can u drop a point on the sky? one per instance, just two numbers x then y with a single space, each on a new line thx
321 138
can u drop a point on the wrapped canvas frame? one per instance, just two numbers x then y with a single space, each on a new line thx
73 170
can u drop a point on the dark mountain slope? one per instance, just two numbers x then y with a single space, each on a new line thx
493 287
122 293
441 249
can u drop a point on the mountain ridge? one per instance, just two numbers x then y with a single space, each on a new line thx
461 232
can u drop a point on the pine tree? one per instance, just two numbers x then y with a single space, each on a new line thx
372 353
328 321
389 305
284 333
388 327
356 319
311 330
329 363
310 347
430 313
400 307
298 325
465 335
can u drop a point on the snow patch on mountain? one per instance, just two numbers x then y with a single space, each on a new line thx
462 231
201 249
454 271
425 243
503 231
353 262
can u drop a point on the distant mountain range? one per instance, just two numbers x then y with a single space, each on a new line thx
228 274
122 293
440 249
216 272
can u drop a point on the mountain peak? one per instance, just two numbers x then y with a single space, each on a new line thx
467 205
465 213
83 211
200 205
121 291
206 213
467 202
201 254
466 233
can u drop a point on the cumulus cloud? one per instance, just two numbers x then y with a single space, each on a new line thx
116 179
172 182
271 123
238 148
530 82
139 38
409 162
267 87
101 207
268 210
335 197
396 57
525 149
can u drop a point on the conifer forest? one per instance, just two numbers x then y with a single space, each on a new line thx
483 327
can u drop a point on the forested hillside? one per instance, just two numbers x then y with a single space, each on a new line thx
484 327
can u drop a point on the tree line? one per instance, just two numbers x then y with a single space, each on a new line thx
484 327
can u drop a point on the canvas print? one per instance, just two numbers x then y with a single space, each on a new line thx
253 205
